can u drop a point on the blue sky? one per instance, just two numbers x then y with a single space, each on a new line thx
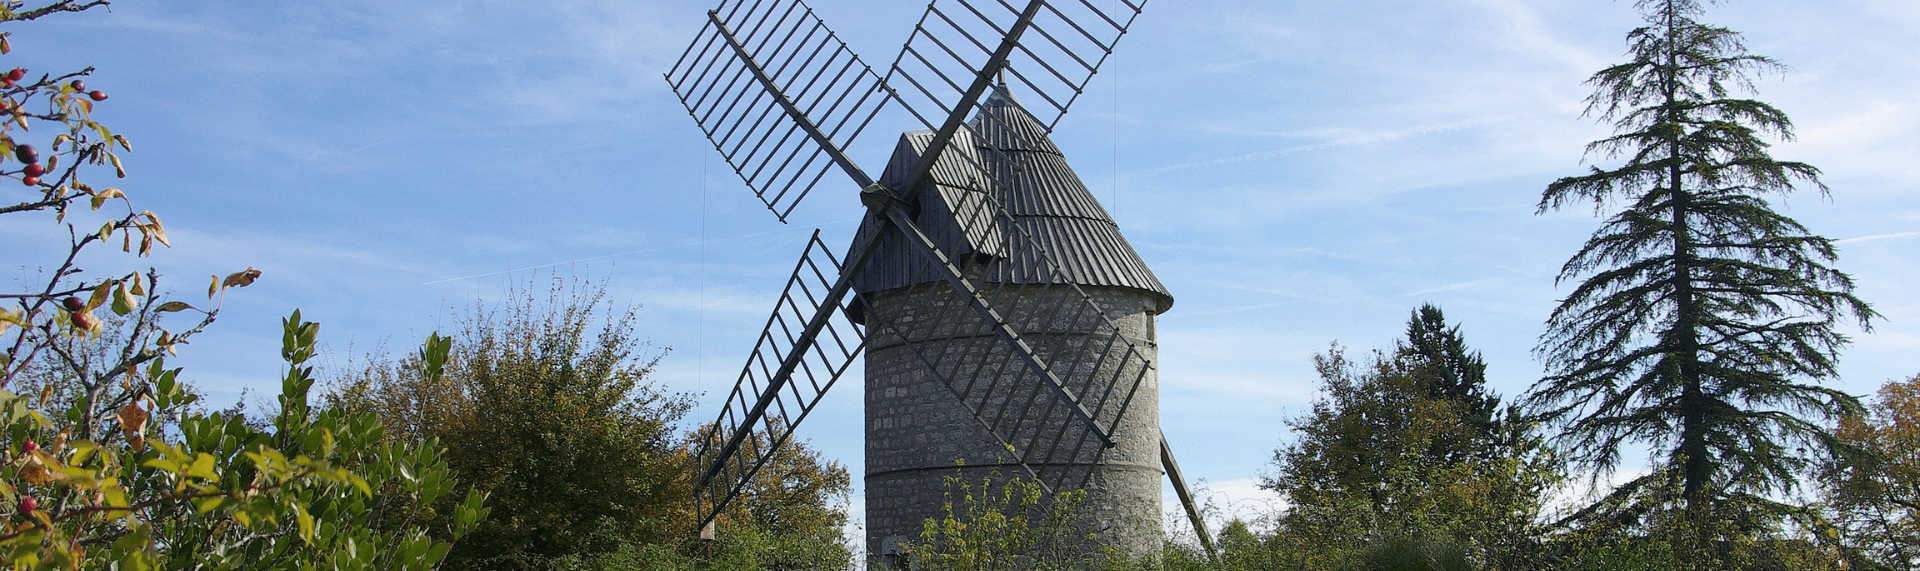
1296 173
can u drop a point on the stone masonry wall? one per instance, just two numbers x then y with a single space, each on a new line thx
919 434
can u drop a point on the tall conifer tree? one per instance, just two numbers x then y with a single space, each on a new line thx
1703 320
1453 372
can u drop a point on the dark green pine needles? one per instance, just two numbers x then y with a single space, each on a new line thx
1703 321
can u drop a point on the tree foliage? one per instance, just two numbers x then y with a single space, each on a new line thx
211 491
797 494
1702 320
554 420
1873 487
1003 524
1407 446
547 406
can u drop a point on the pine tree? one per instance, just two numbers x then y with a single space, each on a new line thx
1703 321
1439 353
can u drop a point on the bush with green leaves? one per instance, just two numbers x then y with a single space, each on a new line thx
1006 523
212 491
548 406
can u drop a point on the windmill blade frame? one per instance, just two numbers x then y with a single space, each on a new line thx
726 453
1078 39
781 128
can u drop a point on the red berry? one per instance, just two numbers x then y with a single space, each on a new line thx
78 86
31 181
98 95
26 154
73 303
30 446
29 505
83 321
16 74
34 169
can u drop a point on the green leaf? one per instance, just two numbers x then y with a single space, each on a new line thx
360 484
306 522
203 468
205 505
162 464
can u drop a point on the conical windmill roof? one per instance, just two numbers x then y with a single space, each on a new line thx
1006 157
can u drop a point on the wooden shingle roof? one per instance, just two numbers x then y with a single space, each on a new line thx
1005 157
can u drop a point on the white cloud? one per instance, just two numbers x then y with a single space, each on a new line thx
1875 237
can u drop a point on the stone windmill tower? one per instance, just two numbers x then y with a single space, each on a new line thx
916 435
1008 327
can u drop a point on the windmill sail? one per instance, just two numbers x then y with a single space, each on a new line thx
778 94
1057 48
807 345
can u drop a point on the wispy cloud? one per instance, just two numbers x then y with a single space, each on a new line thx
782 230
1454 286
1877 237
1348 141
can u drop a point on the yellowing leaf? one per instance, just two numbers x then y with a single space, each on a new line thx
34 471
241 278
10 319
172 306
153 226
123 300
100 293
118 170
100 198
133 419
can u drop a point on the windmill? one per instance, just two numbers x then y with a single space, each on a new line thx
1007 326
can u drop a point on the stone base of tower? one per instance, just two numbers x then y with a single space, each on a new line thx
1118 514
923 445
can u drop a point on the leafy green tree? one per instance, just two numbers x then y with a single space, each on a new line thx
797 496
1703 320
1405 446
1873 487
547 406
